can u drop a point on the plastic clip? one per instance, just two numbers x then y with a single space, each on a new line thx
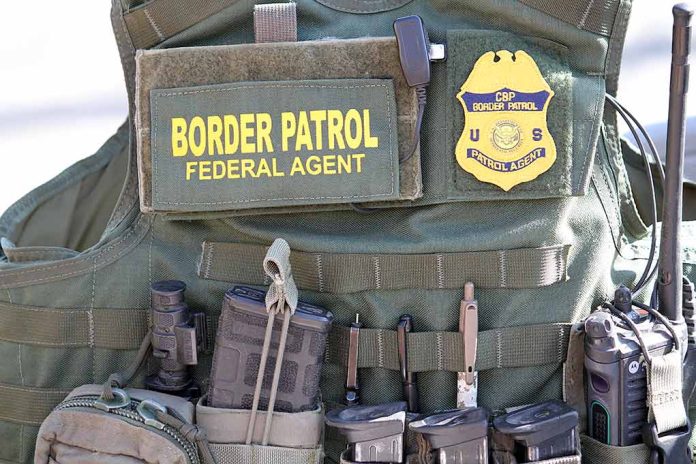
670 448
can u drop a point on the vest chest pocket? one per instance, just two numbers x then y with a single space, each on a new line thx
523 124
252 128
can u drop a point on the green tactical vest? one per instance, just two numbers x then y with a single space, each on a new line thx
397 234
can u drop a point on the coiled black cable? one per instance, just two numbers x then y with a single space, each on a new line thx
632 123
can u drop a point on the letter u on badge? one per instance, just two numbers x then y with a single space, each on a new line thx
505 140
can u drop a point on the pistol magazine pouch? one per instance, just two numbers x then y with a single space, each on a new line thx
79 431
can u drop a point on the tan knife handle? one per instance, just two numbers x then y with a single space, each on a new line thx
468 327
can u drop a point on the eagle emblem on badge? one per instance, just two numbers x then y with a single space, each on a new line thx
505 140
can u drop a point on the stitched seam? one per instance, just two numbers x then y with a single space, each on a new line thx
440 351
585 14
155 193
560 344
149 269
149 266
380 348
63 265
90 318
498 348
599 102
440 273
19 360
378 277
157 30
32 389
84 270
47 253
380 6
320 272
209 261
503 268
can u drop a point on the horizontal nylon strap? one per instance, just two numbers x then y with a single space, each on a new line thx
30 406
590 15
118 329
158 20
355 272
257 454
507 347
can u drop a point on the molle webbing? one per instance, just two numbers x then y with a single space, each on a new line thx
117 329
243 454
589 15
26 405
158 20
355 272
509 347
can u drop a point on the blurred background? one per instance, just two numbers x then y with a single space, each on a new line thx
62 91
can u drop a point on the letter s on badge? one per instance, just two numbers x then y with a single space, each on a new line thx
505 140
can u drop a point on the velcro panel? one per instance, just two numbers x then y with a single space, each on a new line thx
354 272
289 72
249 144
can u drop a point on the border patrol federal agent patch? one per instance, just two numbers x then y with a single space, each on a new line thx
505 140
274 143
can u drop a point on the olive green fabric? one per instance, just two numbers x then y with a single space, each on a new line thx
601 221
355 272
311 60
596 452
641 191
591 16
194 171
465 47
524 346
158 20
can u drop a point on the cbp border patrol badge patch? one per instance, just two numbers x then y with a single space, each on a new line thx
505 140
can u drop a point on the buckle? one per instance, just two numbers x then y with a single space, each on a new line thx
670 448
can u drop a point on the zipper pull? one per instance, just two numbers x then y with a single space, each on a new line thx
120 400
148 409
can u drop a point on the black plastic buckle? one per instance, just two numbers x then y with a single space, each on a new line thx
670 448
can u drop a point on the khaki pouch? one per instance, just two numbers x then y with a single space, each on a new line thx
84 429
275 127
295 438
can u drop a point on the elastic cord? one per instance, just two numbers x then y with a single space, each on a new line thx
634 328
661 172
